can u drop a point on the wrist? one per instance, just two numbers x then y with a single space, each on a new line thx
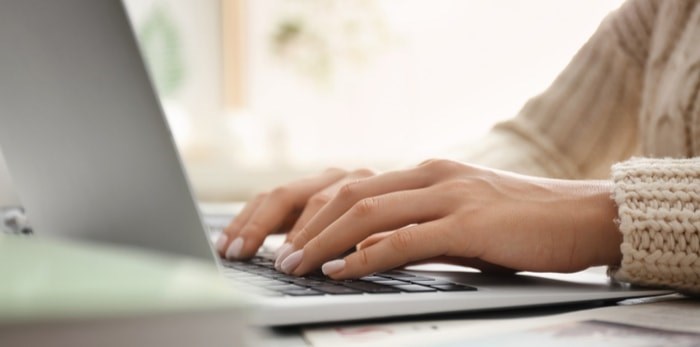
598 224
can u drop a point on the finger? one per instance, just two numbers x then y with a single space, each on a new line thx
410 244
373 239
241 218
272 212
352 192
367 217
315 204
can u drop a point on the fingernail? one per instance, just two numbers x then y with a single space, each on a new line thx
234 249
283 253
333 266
282 249
221 243
292 261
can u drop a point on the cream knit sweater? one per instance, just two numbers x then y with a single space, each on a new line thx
632 91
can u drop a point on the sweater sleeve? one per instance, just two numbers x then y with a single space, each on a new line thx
659 208
587 119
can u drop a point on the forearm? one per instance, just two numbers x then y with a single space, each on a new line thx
586 120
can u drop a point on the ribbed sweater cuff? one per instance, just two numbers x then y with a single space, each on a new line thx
659 216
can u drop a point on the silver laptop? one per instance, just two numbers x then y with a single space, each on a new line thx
92 158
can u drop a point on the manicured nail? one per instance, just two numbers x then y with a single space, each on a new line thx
282 249
221 243
292 261
283 252
333 266
234 249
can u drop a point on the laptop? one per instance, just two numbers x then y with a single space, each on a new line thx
92 158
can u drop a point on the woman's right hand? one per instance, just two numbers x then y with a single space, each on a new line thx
284 209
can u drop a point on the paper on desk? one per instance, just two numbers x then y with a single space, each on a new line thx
379 333
654 320
668 323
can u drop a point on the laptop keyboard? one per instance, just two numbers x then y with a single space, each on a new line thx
260 274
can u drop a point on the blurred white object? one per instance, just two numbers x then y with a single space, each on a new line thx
13 220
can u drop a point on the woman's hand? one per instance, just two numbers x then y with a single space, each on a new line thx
285 209
442 209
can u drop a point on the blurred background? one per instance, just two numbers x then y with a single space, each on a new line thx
258 92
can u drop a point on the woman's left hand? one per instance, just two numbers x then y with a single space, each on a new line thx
490 219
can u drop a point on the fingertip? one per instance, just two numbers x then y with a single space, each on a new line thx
282 250
333 267
221 243
290 264
234 249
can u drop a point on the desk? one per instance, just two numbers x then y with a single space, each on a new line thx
294 336
670 320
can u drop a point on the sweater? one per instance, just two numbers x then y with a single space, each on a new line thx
628 107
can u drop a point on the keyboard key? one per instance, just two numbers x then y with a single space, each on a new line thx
414 288
318 277
284 287
283 277
398 275
336 289
392 274
237 266
390 282
454 287
302 292
419 279
263 262
369 287
431 282
303 281
373 278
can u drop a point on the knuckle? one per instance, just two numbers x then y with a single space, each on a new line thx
301 237
401 240
252 228
283 195
440 166
347 191
319 199
280 192
316 245
363 258
364 172
365 207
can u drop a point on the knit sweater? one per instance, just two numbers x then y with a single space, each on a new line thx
630 96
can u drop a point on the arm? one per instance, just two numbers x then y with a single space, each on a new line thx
587 119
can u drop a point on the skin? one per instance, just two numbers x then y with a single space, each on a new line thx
438 211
